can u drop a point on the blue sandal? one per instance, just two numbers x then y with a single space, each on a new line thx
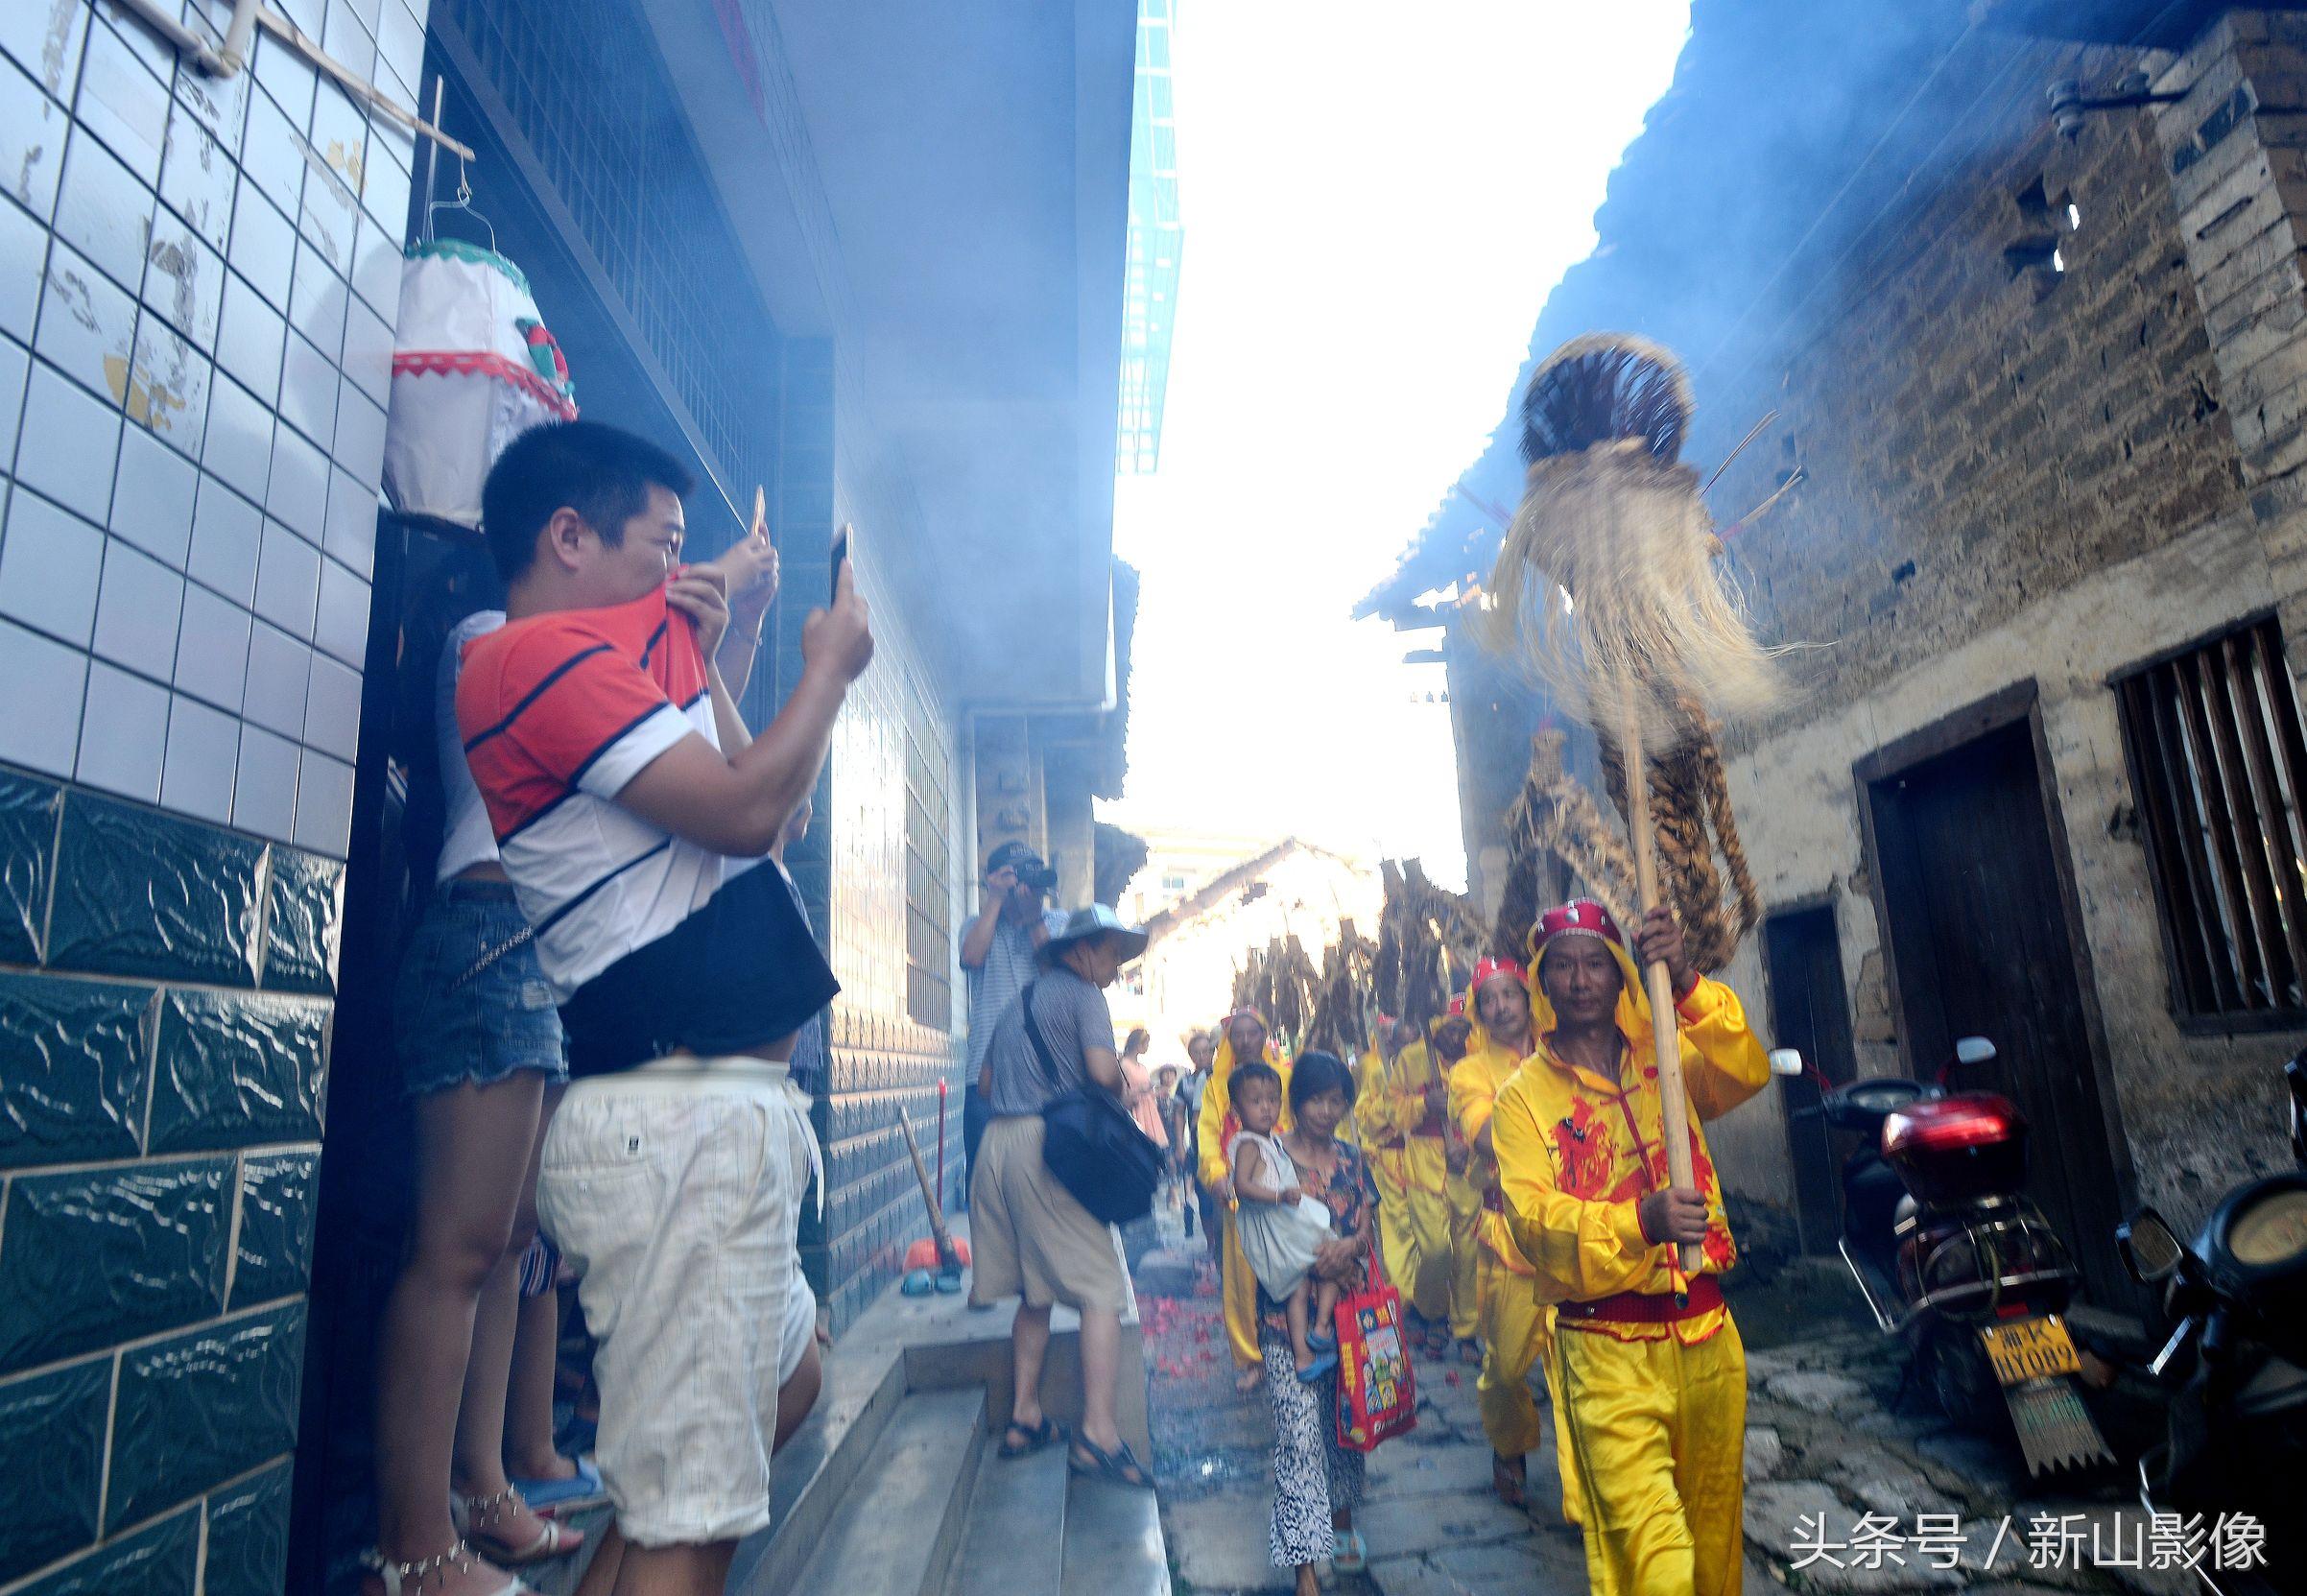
582 1487
1318 1367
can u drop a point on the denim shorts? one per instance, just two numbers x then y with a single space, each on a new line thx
460 1016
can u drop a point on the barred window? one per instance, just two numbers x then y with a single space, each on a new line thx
928 888
2219 758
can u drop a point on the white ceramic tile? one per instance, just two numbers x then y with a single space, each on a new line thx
264 794
158 56
284 74
316 303
264 246
299 490
392 144
204 754
197 176
250 340
69 444
212 649
239 442
184 279
32 141
103 212
325 805
342 626
288 582
332 709
13 362
138 608
310 16
348 42
222 103
400 41
272 154
123 103
123 733
227 531
368 354
385 195
340 136
169 386
376 264
151 497
279 669
45 683
87 326
367 11
46 36
359 435
352 534
49 566
308 394
23 267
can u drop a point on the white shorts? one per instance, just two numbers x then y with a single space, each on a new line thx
676 1191
800 1326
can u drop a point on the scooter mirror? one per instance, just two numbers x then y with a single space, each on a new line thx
1974 1050
2150 1250
1785 1061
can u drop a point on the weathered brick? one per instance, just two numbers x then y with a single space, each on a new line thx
277 1198
199 1408
235 1071
74 1056
51 1452
162 1560
28 816
247 1536
94 1257
142 894
306 904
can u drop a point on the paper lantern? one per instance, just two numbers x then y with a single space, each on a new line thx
473 367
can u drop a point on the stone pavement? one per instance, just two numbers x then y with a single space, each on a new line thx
1822 1443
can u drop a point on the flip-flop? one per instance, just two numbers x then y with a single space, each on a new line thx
1049 1433
1318 1367
583 1486
1352 1552
1119 1465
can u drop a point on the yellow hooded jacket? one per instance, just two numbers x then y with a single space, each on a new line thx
1475 1082
1217 1106
1577 1152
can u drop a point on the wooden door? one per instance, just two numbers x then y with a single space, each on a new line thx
1978 923
1810 1012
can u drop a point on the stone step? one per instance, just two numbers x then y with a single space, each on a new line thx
1113 1542
1015 1541
898 1529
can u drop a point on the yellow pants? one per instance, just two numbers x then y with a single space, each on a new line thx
1414 1228
1238 1290
1516 1332
1659 1433
1464 1203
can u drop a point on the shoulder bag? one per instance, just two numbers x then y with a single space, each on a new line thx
1090 1143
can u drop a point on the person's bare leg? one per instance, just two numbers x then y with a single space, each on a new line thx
608 1559
799 1394
1295 1308
466 1202
479 1470
1101 1376
675 1570
528 1450
1029 1345
1326 1309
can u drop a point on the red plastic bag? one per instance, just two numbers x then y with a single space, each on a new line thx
1377 1388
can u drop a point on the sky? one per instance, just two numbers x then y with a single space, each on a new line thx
1377 200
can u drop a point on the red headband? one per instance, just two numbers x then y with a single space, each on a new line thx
1489 968
1579 917
1457 1006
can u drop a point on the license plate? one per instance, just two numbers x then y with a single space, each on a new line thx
2030 1349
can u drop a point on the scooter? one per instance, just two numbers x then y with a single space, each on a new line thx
1955 1261
2237 1439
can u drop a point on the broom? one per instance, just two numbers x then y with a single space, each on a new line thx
1607 589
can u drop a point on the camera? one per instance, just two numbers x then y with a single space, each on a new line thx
1032 872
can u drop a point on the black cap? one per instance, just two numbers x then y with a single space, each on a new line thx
1015 855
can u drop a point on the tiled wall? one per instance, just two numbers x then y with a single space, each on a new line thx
197 284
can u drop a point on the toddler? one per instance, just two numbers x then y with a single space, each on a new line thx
1280 1227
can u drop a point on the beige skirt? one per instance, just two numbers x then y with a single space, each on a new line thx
1030 1237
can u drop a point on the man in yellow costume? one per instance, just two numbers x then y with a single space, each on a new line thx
1244 1037
1462 1199
1515 1327
1400 1109
1649 1373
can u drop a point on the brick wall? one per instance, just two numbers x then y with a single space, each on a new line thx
197 284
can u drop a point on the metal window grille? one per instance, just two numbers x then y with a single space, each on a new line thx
928 888
2218 759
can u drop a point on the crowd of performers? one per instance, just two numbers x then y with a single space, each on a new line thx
1527 1218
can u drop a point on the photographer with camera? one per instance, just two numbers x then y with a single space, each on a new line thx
997 959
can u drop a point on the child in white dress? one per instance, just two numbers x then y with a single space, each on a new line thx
1280 1227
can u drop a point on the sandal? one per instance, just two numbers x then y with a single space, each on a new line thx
568 1491
1048 1433
1317 1368
1352 1553
482 1514
1321 1342
398 1577
1509 1478
1119 1465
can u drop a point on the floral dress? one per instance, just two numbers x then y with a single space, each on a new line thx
1314 1477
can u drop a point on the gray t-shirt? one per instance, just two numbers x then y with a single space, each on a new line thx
1009 963
1073 1017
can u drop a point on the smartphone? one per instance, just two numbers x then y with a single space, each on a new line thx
845 544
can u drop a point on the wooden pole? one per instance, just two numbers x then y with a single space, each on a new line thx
1674 1112
948 1257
